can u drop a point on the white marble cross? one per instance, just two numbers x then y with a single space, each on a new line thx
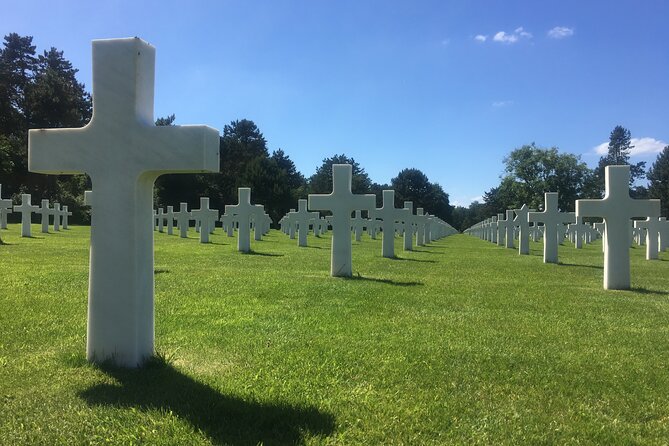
45 212
169 217
5 204
578 229
551 217
358 224
5 208
243 211
160 215
26 209
652 225
409 221
523 224
341 202
205 216
302 217
56 217
66 217
123 152
420 227
389 214
183 219
617 209
509 229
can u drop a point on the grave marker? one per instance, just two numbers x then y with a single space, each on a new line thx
123 152
26 209
617 209
551 217
341 202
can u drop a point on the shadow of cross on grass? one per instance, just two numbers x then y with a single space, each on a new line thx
224 419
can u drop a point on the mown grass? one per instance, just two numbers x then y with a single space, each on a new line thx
459 342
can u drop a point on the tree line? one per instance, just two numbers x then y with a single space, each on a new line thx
529 171
41 91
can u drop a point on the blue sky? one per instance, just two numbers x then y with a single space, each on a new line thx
448 87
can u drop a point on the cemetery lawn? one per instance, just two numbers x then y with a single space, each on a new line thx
459 342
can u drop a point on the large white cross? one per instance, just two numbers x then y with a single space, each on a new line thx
389 214
551 217
123 152
617 209
341 202
26 209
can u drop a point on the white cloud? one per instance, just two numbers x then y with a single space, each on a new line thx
499 104
560 32
478 198
480 38
642 146
517 34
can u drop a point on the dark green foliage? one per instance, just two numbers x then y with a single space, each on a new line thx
620 145
38 92
413 185
321 181
530 171
658 180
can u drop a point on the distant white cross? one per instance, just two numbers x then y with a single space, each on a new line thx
551 217
389 214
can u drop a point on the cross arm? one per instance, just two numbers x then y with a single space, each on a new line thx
181 149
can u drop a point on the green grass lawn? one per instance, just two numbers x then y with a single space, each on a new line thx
458 342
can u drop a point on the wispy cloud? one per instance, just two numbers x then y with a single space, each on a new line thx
446 42
642 146
508 38
499 104
480 38
560 32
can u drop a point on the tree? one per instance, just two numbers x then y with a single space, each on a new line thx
413 185
55 98
530 171
618 154
17 65
658 180
321 181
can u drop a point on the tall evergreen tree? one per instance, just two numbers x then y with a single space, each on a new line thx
618 154
658 180
17 67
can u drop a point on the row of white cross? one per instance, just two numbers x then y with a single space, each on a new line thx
26 209
617 209
241 215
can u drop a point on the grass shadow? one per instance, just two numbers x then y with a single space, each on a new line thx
223 419
405 259
643 290
386 281
312 247
161 271
581 266
262 254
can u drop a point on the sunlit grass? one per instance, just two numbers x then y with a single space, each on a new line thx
457 342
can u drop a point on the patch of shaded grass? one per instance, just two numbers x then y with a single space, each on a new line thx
465 342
